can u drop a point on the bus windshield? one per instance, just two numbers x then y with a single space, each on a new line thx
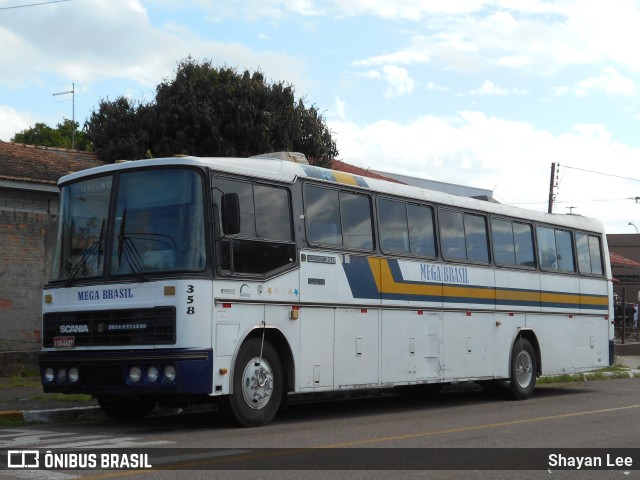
157 225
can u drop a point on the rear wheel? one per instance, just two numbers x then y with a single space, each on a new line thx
524 368
126 408
257 384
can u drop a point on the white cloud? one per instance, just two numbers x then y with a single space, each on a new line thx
489 88
474 149
12 121
340 109
398 79
116 39
610 81
406 57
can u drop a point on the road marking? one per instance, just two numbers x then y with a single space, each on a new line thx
279 453
471 428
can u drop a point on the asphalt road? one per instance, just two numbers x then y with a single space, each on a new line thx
603 415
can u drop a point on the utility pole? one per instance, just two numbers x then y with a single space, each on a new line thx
73 112
552 185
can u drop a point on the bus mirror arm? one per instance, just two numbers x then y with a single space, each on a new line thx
230 206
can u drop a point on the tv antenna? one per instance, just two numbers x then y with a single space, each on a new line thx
73 112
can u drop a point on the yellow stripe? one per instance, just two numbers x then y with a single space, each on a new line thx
385 283
346 178
519 295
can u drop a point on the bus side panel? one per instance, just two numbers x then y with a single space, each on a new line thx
411 346
318 277
468 345
357 347
315 367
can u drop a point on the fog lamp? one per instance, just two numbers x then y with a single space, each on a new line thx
135 374
152 374
169 373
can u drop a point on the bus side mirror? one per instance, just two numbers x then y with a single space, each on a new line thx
230 206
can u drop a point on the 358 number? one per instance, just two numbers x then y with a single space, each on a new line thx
190 290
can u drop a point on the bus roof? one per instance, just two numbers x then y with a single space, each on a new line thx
279 170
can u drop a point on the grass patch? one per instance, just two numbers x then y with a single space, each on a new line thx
607 373
11 422
20 380
71 397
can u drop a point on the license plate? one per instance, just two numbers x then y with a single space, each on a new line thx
64 342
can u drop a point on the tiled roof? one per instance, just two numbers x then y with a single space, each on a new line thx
33 164
28 163
620 261
363 172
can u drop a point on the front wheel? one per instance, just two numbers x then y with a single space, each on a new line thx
524 368
257 384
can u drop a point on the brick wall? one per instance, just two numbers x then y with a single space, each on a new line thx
28 223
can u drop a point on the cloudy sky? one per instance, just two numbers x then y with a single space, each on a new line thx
485 93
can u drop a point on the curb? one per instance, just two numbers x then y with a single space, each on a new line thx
53 415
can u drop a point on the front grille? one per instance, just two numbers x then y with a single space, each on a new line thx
144 326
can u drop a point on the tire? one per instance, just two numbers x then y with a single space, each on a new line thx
523 369
126 408
257 384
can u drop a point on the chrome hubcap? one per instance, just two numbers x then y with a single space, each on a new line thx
257 383
524 369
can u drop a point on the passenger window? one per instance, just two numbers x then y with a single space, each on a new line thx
523 236
265 241
565 251
452 235
464 236
273 218
394 234
422 236
555 249
475 232
357 231
589 257
503 243
322 213
512 243
338 218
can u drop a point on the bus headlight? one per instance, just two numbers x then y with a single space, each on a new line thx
152 374
49 374
169 373
74 375
62 375
135 374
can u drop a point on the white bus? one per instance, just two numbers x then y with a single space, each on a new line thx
246 281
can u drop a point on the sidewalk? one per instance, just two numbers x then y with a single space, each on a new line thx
30 404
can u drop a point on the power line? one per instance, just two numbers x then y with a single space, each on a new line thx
34 4
601 173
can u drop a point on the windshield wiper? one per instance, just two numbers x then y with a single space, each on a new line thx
127 248
93 254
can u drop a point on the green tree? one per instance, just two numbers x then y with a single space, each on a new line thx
211 111
62 136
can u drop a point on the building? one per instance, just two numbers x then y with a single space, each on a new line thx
625 267
28 221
